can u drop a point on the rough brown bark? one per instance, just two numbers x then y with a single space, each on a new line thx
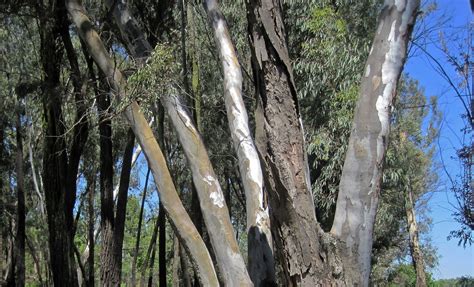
279 138
415 248
361 176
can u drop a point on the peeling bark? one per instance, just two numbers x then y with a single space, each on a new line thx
221 233
260 245
279 138
168 195
361 176
211 197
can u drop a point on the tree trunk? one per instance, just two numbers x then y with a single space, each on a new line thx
211 198
121 209
9 277
361 176
229 259
55 160
279 138
260 251
39 191
139 230
162 246
20 237
36 260
108 276
146 263
415 249
168 195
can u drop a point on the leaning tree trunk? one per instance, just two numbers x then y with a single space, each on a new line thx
228 257
260 245
361 176
121 207
167 191
415 248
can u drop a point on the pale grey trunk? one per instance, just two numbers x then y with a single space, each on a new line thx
360 183
415 248
211 197
167 191
260 245
214 209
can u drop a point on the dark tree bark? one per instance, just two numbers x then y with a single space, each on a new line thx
151 246
113 225
122 197
55 159
162 246
279 138
81 122
108 276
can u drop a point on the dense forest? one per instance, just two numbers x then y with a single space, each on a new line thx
208 143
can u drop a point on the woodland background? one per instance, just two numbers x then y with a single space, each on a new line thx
328 43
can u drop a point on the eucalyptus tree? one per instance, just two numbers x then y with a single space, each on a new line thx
281 144
273 165
157 163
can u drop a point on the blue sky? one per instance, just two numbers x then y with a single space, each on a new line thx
455 261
